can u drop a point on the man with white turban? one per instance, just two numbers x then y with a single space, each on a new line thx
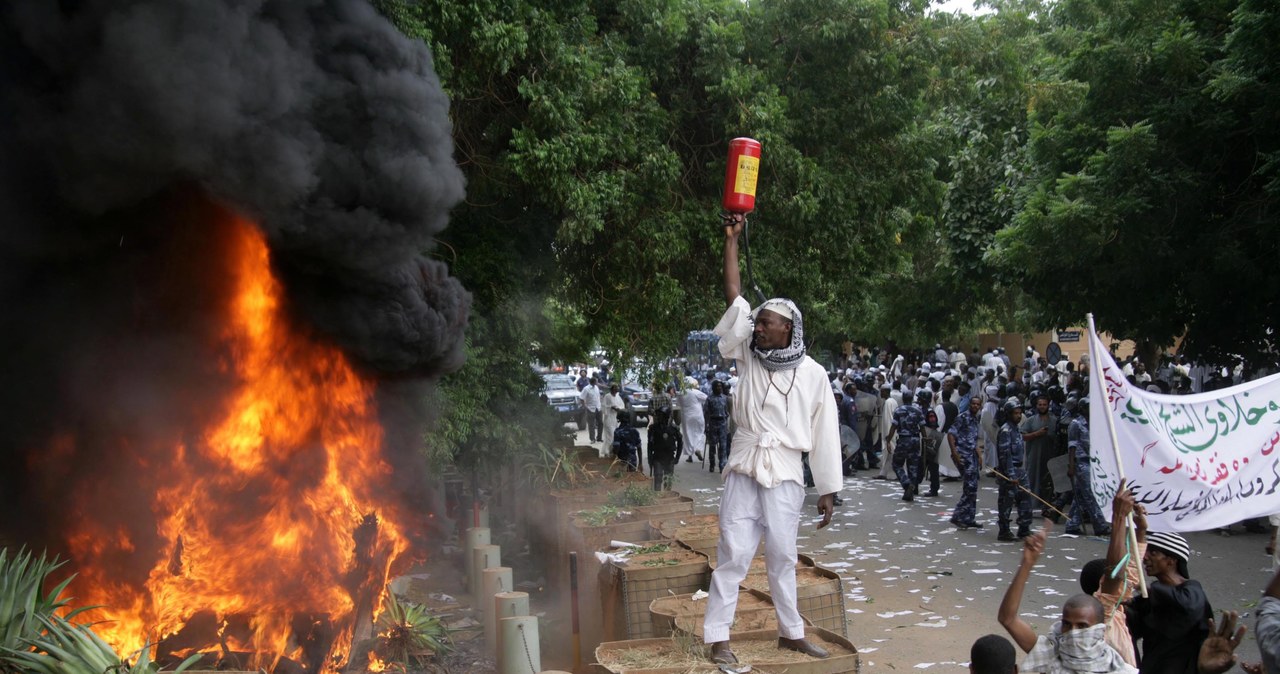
783 408
693 425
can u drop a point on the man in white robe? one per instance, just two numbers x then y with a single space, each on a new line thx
888 439
693 424
612 404
783 408
988 430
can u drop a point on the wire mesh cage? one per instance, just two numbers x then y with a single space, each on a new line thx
639 587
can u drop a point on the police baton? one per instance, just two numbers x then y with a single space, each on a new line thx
1033 494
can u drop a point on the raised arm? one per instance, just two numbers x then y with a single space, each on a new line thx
733 224
1022 633
1121 508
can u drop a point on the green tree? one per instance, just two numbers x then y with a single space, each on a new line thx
593 136
845 161
982 68
1147 204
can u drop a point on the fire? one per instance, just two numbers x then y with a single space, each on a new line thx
259 522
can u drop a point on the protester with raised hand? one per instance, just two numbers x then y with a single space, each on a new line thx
1218 652
1074 644
1100 579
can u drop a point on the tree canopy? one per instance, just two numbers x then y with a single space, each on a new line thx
1146 199
924 175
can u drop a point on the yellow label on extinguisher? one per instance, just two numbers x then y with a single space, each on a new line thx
748 171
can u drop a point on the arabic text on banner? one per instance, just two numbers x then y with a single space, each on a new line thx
1196 461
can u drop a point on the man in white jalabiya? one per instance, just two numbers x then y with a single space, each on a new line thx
783 408
612 404
693 424
887 439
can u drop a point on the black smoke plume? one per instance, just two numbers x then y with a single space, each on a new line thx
125 128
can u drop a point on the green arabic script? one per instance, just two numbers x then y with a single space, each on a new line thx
1196 427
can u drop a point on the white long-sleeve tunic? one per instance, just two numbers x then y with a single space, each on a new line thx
779 415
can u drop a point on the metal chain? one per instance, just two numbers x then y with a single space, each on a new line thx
524 640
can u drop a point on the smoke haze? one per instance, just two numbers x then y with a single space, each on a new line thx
126 130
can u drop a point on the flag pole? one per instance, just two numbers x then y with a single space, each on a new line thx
1094 380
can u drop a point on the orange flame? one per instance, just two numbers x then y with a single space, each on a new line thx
259 515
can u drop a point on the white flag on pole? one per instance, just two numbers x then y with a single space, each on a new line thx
1196 462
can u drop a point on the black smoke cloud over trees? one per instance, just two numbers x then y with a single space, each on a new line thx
317 119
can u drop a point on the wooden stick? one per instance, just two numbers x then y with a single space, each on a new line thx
554 473
1033 494
1095 367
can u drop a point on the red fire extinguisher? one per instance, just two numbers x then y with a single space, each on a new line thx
740 175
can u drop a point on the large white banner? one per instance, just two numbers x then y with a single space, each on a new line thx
1196 461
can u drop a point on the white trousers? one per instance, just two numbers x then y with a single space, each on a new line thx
748 511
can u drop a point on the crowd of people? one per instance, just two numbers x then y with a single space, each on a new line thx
787 424
1109 627
947 415
690 419
1014 425
921 419
955 417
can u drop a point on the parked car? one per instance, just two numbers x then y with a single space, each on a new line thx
637 399
561 392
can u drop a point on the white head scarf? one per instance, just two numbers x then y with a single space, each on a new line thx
790 356
1084 651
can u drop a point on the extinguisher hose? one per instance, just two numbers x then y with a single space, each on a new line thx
746 249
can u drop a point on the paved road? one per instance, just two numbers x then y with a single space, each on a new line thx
919 591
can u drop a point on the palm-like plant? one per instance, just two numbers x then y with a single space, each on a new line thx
71 648
408 635
34 639
23 602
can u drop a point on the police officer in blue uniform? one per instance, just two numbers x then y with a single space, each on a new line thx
626 443
1012 454
963 438
665 447
908 423
716 412
1083 504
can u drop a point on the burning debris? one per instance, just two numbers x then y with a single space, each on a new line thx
219 311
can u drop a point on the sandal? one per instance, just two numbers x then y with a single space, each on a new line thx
721 655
